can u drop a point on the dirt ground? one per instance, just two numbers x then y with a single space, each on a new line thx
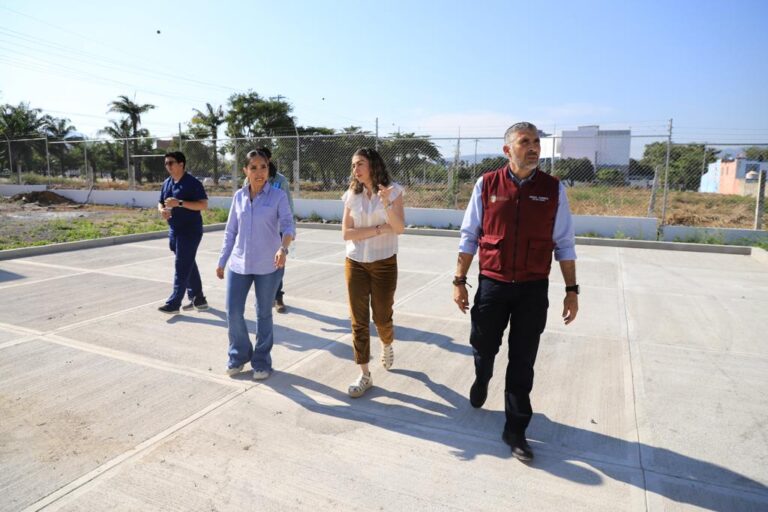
36 217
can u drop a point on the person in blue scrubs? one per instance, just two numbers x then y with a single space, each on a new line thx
182 198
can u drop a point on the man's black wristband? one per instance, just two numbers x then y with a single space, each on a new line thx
572 288
459 280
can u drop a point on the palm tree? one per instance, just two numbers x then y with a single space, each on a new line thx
59 130
120 130
123 105
405 152
18 122
211 119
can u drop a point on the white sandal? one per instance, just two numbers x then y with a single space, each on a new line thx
387 356
360 386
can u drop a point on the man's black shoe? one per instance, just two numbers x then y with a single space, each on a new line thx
521 450
198 303
168 309
478 393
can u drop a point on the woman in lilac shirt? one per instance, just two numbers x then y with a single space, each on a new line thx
256 255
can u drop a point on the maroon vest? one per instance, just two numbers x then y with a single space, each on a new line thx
518 220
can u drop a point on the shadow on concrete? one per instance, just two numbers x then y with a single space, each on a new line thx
402 334
288 337
440 422
9 276
439 419
683 475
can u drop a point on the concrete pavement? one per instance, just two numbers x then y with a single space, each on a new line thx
656 398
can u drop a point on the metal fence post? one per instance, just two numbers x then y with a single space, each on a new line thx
666 176
297 165
760 203
47 161
10 156
234 168
654 185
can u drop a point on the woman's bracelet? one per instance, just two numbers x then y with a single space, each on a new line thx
378 229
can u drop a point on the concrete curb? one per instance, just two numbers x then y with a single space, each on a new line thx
24 252
667 246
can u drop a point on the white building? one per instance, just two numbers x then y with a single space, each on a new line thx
604 148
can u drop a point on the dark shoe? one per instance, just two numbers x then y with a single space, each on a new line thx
478 393
521 450
199 304
168 309
279 305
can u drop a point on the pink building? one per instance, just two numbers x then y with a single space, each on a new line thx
738 177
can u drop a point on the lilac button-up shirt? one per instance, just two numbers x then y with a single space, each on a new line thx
252 236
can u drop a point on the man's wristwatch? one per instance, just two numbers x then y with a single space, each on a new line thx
181 203
572 288
284 249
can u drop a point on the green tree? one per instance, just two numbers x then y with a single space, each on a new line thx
572 170
211 119
610 176
687 162
639 170
250 115
60 131
488 164
326 155
124 105
757 153
120 131
407 153
21 122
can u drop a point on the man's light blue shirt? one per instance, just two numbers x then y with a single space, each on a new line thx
562 235
252 235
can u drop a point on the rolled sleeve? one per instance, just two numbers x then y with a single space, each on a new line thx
230 233
563 234
285 216
473 218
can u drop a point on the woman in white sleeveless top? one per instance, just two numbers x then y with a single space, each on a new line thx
373 217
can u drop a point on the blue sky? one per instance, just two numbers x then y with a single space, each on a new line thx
430 67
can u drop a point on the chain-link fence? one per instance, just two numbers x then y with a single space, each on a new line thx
607 172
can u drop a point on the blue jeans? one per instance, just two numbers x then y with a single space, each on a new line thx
186 277
240 349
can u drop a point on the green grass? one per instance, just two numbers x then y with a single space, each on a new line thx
128 222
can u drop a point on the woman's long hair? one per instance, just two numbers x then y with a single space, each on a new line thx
379 174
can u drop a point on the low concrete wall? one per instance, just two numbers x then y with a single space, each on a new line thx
721 235
12 190
637 228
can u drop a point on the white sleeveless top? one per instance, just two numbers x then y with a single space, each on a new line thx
370 212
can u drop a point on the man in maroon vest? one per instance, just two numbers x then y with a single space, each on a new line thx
517 216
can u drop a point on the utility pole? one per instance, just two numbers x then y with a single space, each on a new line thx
376 142
666 175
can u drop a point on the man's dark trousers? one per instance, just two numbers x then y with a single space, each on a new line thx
186 277
523 306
